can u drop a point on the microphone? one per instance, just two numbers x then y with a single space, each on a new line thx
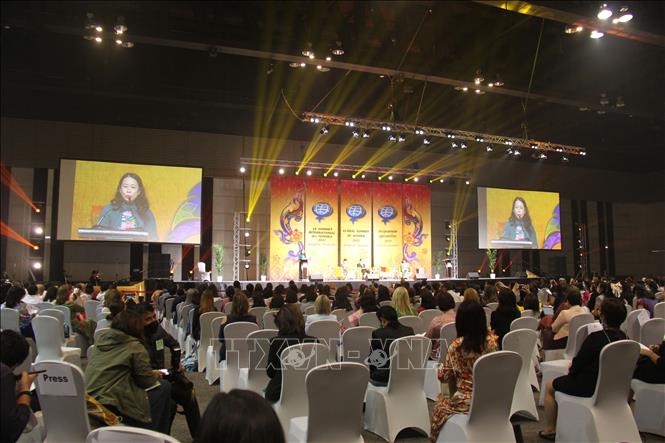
101 219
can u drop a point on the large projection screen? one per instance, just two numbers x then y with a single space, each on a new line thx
106 201
518 219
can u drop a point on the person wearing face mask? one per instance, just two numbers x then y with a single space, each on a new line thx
182 390
129 209
519 226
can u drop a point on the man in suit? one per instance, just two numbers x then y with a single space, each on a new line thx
390 330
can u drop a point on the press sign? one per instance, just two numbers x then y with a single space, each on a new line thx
57 380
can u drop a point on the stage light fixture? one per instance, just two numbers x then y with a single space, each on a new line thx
479 92
509 151
463 145
99 28
308 50
426 141
247 220
447 238
37 210
98 39
322 68
516 152
315 120
390 177
335 174
386 127
406 179
565 159
559 149
392 137
624 15
297 172
478 79
349 124
415 179
448 225
365 134
596 34
281 171
401 138
311 56
355 133
489 148
468 182
36 265
303 64
127 44
379 178
120 27
542 156
454 145
450 134
420 131
328 58
533 146
243 169
362 176
39 230
246 265
604 13
480 138
440 180
353 176
583 153
319 67
35 247
465 88
309 172
325 130
118 42
246 234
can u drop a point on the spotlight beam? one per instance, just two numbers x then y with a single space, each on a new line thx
7 231
8 180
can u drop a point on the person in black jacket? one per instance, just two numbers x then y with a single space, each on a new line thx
505 313
239 312
583 373
651 365
379 359
291 325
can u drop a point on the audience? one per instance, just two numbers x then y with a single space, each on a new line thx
322 311
276 302
391 329
239 312
473 340
80 325
427 301
401 302
341 300
560 325
471 294
504 314
651 365
13 301
206 304
309 299
367 304
446 305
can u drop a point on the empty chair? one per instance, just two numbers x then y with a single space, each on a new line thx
339 313
524 323
523 342
489 416
493 306
413 322
402 404
269 320
67 315
127 434
206 337
432 383
212 350
659 310
369 319
255 378
91 309
606 415
65 415
237 353
633 325
327 331
335 393
49 340
9 319
648 410
293 397
258 312
356 344
57 314
45 305
652 331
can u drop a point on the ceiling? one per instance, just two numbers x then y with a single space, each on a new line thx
50 73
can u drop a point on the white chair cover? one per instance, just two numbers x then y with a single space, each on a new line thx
339 313
605 416
90 307
327 331
335 393
237 353
255 377
402 404
127 434
258 312
9 319
632 325
269 320
568 353
432 384
356 344
652 332
493 306
659 310
488 419
528 313
49 341
648 410
414 322
369 319
529 323
523 342
227 308
65 416
206 338
212 351
427 316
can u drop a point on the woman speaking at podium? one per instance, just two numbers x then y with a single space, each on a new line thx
519 226
129 210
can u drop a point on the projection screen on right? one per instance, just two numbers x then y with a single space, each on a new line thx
518 219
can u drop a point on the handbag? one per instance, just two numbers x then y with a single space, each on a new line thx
99 415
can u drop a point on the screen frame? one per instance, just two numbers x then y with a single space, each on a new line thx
56 208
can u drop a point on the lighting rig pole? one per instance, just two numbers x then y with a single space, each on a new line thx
454 252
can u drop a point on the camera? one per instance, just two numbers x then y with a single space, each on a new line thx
174 376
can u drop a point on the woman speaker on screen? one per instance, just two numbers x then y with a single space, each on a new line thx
519 227
129 210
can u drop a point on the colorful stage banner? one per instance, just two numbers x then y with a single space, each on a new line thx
287 225
355 225
321 226
417 227
387 226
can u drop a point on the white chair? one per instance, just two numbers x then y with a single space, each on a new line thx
190 342
488 315
648 410
530 323
523 342
339 313
67 315
335 394
49 340
128 434
356 344
493 306
269 320
556 368
633 325
205 320
296 361
310 310
568 353
402 404
212 351
45 305
183 322
369 319
227 308
488 419
528 313
386 303
432 384
652 331
414 322
167 324
258 312
427 316
255 377
605 416
327 331
9 319
659 310
237 353
65 415
202 274
57 314
91 309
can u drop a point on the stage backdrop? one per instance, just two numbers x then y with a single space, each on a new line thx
382 223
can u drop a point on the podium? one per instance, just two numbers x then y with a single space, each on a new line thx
512 244
112 234
302 268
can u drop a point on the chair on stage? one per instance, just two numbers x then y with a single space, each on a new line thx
202 274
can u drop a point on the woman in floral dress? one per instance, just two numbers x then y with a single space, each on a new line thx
473 340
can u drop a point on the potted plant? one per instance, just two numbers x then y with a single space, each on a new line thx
438 264
218 250
491 260
263 266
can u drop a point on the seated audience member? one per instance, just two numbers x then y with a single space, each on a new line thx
322 311
489 294
560 325
446 305
504 314
645 299
471 294
119 374
225 419
115 308
596 298
309 298
341 300
32 299
382 337
291 296
276 302
531 303
473 340
50 294
239 312
258 300
583 373
182 390
401 302
13 301
80 325
427 301
206 304
180 297
15 398
291 326
367 304
651 364
383 294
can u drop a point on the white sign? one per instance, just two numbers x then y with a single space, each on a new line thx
643 317
57 380
594 327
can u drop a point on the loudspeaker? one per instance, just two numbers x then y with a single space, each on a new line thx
472 275
316 278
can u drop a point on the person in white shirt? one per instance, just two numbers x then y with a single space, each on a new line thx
322 309
32 299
